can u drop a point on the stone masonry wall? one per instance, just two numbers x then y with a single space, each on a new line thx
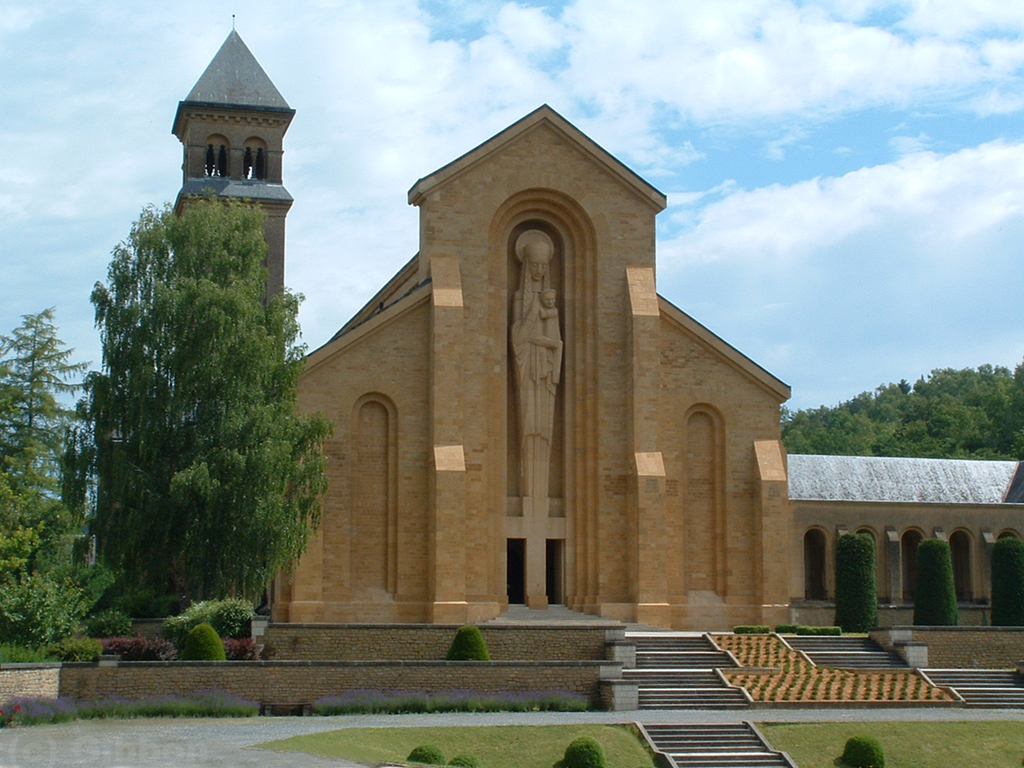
969 647
428 642
292 683
41 680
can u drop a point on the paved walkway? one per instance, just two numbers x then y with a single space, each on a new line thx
202 743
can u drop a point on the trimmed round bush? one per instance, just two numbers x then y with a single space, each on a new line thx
584 752
935 596
468 645
1008 582
109 623
427 754
203 644
856 593
464 761
863 752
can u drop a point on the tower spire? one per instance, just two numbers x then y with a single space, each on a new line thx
232 126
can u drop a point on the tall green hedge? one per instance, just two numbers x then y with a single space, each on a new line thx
856 594
935 596
1008 583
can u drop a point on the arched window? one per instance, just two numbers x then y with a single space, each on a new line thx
814 565
247 163
960 549
260 164
211 160
1008 535
908 546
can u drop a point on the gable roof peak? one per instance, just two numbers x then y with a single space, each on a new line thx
543 114
234 78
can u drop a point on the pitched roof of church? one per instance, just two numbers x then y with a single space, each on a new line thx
543 114
234 78
882 479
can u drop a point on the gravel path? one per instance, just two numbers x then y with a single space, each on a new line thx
169 743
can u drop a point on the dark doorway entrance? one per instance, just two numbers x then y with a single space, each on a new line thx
555 558
515 571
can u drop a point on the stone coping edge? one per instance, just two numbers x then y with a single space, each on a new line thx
940 628
14 665
511 625
854 704
365 664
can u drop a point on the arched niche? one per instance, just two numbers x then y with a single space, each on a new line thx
703 498
373 520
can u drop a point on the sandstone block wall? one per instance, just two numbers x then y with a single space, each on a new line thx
42 680
428 642
295 683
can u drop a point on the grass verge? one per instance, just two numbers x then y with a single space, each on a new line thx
507 746
906 745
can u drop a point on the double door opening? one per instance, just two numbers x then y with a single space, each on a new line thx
515 573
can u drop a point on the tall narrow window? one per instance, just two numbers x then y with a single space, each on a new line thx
260 167
909 543
814 565
960 549
211 160
247 163
222 161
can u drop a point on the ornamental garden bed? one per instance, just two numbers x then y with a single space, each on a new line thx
787 677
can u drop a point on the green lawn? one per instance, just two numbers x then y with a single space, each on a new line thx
906 745
512 746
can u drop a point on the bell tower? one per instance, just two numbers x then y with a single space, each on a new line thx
232 126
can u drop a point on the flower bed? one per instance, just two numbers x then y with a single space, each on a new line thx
796 680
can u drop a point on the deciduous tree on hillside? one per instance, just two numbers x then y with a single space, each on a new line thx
206 474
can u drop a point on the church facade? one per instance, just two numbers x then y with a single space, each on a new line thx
521 418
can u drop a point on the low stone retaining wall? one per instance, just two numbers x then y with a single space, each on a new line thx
429 642
820 614
41 680
963 647
296 683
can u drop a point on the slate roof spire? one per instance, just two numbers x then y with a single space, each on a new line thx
235 78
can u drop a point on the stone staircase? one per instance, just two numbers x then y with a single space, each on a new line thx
716 746
677 671
846 652
989 688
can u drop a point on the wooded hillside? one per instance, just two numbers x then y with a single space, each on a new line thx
969 413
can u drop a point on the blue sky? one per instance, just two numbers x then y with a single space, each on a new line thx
845 179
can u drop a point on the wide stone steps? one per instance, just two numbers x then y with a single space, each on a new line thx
983 688
714 746
676 671
683 659
846 652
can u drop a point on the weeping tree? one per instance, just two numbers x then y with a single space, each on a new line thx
856 592
1008 582
935 596
206 475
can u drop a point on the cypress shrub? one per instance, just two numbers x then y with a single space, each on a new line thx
863 752
427 754
935 598
468 645
583 752
1008 583
856 596
203 644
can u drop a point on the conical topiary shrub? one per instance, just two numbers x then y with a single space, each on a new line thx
935 597
856 594
468 645
1008 582
203 644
